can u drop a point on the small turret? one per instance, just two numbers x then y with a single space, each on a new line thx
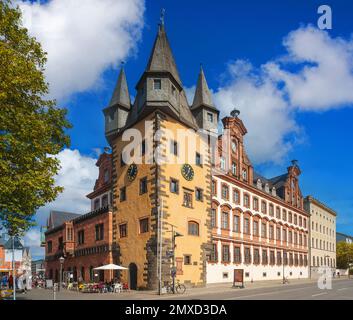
117 112
203 109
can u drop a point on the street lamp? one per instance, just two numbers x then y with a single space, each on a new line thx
284 259
174 235
61 260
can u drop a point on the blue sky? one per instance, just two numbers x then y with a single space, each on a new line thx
217 34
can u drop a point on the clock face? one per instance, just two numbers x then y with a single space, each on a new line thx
132 172
187 171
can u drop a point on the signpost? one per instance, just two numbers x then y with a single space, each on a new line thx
238 281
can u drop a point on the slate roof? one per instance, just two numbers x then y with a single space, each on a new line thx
203 95
121 94
161 58
57 218
276 182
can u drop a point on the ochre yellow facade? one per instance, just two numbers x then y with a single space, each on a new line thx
134 247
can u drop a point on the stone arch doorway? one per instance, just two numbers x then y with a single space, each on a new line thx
133 276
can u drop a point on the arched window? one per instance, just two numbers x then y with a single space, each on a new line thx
193 228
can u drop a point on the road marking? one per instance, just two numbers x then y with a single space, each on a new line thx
319 294
342 289
262 294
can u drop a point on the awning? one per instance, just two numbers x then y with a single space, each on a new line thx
110 266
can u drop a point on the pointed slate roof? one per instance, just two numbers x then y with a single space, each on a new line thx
203 95
161 58
121 94
57 218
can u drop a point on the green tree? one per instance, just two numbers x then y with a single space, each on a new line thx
32 127
344 252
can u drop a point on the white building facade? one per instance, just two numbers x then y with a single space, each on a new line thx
258 224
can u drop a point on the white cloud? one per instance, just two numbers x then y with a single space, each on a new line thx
77 175
315 73
83 38
325 78
190 92
264 111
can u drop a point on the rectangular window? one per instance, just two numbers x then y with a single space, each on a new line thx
264 257
246 201
271 210
263 207
284 235
256 256
271 233
81 237
255 228
174 186
225 192
123 230
157 84
225 220
209 117
50 246
198 194
290 237
284 215
285 258
223 163
143 185
234 169
214 254
236 224
213 187
105 200
236 196
263 230
256 204
247 256
187 259
187 199
144 225
279 257
290 217
213 218
237 255
246 226
198 159
278 234
272 257
225 253
174 147
122 194
278 213
99 231
96 204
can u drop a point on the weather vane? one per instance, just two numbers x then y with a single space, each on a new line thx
235 113
162 16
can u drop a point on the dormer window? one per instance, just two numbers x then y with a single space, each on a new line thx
234 146
223 163
209 117
157 84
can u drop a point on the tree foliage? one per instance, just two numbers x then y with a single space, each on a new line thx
32 127
344 252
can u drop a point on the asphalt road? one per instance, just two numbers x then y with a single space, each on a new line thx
341 290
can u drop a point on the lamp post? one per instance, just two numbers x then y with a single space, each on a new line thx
61 260
284 259
174 235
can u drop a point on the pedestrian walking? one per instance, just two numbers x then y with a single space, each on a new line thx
11 282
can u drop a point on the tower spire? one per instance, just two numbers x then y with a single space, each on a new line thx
121 94
203 95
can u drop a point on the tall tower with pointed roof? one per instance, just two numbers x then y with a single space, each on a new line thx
150 197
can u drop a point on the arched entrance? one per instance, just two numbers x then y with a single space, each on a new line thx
133 276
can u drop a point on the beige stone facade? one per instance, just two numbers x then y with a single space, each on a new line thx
322 235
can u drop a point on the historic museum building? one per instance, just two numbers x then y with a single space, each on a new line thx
258 224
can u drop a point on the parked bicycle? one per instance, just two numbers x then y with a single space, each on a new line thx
179 288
